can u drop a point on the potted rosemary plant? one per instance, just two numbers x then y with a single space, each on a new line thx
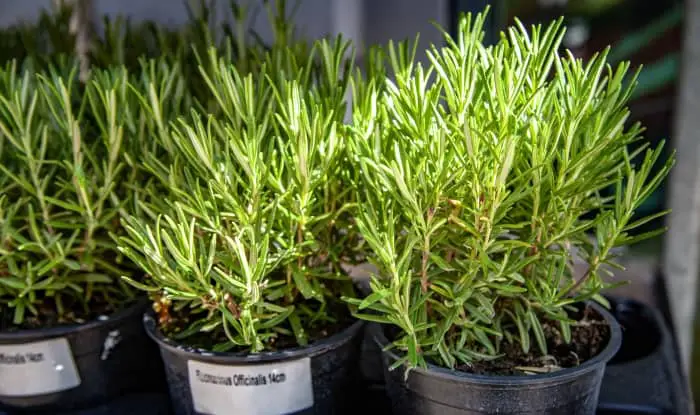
481 181
70 327
242 254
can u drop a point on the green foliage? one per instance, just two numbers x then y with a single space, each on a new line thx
62 176
134 44
245 224
481 173
46 41
75 158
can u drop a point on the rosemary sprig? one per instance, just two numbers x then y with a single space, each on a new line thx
480 172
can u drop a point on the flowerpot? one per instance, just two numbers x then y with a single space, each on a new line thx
612 409
647 359
318 379
78 366
641 331
436 390
133 404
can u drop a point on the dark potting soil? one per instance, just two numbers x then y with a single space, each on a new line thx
589 336
337 310
74 313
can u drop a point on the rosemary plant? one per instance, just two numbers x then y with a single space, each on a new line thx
481 172
51 41
47 41
62 194
130 44
243 252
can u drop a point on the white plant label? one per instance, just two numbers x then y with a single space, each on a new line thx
267 389
37 368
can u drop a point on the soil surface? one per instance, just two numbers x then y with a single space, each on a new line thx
180 319
589 336
48 316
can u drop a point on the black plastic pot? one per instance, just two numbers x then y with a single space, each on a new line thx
319 379
641 332
572 391
94 363
646 372
621 409
132 404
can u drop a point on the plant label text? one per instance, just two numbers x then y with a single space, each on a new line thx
37 368
265 389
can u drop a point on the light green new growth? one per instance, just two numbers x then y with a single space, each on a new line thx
481 172
246 242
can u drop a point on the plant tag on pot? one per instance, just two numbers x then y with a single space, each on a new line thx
37 368
266 389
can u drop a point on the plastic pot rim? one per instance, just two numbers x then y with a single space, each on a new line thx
27 335
317 348
559 376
